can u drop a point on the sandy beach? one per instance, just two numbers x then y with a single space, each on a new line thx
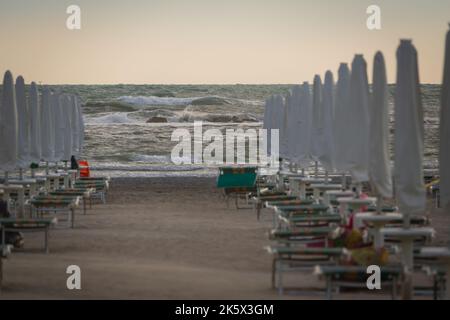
159 238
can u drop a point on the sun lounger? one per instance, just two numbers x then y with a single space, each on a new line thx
85 194
293 221
100 186
28 225
302 235
44 204
261 200
299 258
237 181
356 277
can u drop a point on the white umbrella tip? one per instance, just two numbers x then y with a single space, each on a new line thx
20 79
8 75
405 41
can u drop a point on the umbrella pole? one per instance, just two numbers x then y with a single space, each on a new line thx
344 181
46 168
326 177
379 204
21 174
6 178
316 169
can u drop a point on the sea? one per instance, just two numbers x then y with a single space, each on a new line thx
122 139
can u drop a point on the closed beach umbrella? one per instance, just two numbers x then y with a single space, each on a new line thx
267 124
444 153
47 130
281 121
23 121
81 124
327 154
303 145
379 159
67 113
58 126
357 155
409 132
285 128
293 122
35 124
342 125
75 121
317 120
8 125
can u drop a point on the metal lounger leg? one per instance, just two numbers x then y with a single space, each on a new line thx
329 289
394 288
280 278
258 210
274 271
72 217
1 273
46 240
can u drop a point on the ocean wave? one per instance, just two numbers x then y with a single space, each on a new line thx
112 118
172 101
190 116
150 158
131 168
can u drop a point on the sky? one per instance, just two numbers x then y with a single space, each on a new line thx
212 41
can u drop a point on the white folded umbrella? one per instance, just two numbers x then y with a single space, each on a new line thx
35 124
303 145
293 122
342 125
379 158
444 150
267 124
75 121
23 122
8 125
317 120
58 126
327 147
66 113
409 133
281 123
81 125
47 127
357 155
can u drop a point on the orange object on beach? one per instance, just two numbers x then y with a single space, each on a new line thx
84 168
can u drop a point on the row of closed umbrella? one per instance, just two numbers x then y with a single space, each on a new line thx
345 127
37 127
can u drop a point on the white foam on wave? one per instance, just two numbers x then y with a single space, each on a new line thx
171 101
112 118
150 158
156 101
